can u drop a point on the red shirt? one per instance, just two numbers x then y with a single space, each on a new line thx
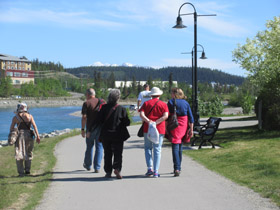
156 113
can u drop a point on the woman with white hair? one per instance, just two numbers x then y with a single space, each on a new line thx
113 133
25 142
156 111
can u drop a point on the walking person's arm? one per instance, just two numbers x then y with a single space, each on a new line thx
84 120
35 129
162 118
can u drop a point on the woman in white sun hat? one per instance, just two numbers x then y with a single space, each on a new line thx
25 142
156 111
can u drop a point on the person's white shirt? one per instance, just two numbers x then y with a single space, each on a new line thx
144 96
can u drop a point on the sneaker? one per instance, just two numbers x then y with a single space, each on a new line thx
156 175
96 171
176 173
27 172
108 175
149 172
118 174
86 167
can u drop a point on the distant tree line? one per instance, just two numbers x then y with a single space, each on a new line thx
37 65
180 74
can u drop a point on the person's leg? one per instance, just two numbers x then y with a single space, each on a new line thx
27 164
117 151
29 145
98 155
148 146
88 153
117 164
176 156
108 154
180 155
20 168
157 154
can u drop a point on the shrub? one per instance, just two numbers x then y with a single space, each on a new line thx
246 104
270 97
213 107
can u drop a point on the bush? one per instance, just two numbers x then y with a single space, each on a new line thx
270 97
247 103
213 107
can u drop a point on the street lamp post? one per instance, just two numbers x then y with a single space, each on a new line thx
193 79
179 25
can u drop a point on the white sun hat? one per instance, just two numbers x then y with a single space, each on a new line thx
155 91
22 107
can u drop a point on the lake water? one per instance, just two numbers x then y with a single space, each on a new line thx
47 119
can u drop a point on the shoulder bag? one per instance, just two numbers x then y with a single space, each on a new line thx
172 121
141 132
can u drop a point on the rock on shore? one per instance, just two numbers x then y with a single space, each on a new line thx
45 135
32 102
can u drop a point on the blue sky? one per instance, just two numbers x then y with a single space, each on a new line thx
139 32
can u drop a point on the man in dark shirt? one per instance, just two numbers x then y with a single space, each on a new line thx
90 111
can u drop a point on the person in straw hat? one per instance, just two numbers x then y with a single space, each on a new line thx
158 114
25 141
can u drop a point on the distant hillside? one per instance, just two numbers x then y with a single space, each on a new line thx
180 74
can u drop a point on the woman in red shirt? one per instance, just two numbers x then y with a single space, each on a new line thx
158 115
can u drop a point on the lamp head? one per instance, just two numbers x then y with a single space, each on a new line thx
179 23
203 55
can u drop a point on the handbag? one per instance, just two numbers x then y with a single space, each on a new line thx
13 135
124 133
140 131
32 134
172 121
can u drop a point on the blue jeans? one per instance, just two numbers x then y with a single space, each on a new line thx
177 156
153 160
93 139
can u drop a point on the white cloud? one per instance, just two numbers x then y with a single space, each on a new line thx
163 14
65 18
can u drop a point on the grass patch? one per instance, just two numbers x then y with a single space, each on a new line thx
26 192
248 156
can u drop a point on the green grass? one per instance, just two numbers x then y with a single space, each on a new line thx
248 156
26 192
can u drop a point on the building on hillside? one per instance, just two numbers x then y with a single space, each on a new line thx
119 84
19 69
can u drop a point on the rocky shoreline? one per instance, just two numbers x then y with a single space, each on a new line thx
12 103
45 135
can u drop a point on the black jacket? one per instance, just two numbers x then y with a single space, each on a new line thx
114 128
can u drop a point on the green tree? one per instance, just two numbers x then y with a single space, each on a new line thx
170 82
261 56
6 87
111 80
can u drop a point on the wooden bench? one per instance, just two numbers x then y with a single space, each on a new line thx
205 133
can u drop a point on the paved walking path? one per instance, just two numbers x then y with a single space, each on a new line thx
197 188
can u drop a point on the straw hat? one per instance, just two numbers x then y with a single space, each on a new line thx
155 91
